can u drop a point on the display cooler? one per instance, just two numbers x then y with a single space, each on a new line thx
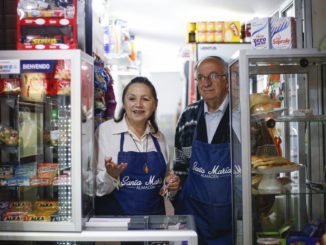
278 146
46 140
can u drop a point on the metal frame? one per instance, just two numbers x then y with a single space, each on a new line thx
113 236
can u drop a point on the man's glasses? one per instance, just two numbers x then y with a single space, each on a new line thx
213 76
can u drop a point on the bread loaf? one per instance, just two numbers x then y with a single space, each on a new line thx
259 98
261 108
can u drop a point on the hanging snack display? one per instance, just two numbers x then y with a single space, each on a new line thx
46 24
105 103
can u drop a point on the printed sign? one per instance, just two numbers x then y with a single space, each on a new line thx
42 66
9 67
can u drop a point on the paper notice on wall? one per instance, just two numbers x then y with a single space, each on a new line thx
9 67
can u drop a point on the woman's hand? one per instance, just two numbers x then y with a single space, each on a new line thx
172 181
114 169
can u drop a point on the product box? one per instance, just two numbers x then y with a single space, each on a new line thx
232 31
282 33
260 33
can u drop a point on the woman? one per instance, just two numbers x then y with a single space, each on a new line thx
132 156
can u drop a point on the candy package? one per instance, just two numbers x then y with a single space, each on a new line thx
9 86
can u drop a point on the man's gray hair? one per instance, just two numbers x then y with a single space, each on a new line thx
212 57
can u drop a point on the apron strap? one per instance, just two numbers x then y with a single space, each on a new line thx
156 144
122 139
200 111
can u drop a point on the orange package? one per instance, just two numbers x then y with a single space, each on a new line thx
46 206
47 170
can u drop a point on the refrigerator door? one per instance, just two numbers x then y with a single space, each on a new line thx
278 144
46 140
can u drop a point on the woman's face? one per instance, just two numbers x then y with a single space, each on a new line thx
139 103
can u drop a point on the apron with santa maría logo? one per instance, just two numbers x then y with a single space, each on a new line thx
207 190
139 193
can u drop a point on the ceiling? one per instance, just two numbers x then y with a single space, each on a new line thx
160 26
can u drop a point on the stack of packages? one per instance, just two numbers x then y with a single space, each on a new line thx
104 97
273 33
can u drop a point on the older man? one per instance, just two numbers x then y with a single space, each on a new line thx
202 155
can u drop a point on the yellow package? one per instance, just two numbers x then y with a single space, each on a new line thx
232 31
39 216
46 206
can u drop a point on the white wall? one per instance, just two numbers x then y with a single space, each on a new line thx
169 87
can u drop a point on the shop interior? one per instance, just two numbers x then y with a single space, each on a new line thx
46 177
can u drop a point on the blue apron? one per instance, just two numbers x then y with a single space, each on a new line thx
139 194
207 190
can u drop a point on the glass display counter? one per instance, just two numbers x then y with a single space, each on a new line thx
161 228
278 152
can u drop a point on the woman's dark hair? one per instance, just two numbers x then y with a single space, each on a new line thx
147 82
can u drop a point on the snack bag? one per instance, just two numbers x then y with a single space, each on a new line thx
33 86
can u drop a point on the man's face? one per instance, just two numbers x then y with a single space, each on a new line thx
212 88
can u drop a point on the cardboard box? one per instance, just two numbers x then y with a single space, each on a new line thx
260 33
232 31
283 33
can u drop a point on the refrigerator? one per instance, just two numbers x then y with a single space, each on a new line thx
278 146
46 140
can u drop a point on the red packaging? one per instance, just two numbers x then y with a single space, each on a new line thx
20 206
40 181
14 216
9 86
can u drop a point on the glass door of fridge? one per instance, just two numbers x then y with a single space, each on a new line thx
45 122
277 98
